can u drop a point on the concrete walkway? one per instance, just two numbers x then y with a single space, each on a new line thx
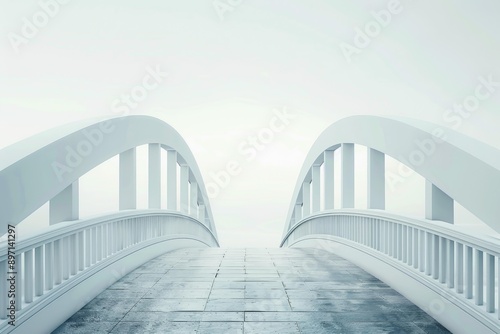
250 291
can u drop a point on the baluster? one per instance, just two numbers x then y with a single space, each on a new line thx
443 256
105 248
422 253
387 238
81 251
58 259
363 231
371 233
49 266
409 248
450 260
127 229
102 241
460 268
98 243
121 231
478 270
428 252
93 258
398 237
435 257
74 254
88 234
357 230
65 258
416 241
110 239
28 276
39 271
359 233
490 283
382 236
391 238
468 272
132 229
19 285
402 243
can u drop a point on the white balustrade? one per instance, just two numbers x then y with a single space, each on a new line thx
464 263
65 250
69 248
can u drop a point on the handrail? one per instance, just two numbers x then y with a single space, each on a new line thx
40 237
61 253
478 240
459 261
38 169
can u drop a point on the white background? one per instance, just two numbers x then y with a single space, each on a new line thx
226 76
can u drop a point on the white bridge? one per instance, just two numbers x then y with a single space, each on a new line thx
447 271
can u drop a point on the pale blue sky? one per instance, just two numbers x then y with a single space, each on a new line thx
227 76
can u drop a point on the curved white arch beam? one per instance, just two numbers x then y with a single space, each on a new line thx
466 169
30 174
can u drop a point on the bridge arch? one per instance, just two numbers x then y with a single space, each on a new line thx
62 267
444 157
431 261
39 168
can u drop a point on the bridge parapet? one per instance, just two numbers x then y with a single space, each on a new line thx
431 261
59 269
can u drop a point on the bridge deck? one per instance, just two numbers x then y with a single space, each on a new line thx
250 291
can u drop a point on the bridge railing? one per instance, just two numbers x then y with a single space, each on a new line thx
48 276
63 253
461 262
434 253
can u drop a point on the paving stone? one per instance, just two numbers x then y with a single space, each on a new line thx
85 328
220 327
184 316
271 327
245 291
156 327
170 305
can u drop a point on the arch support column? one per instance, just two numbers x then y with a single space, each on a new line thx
438 205
298 212
194 199
316 184
202 214
347 187
65 206
128 180
171 180
154 189
329 189
376 179
306 199
184 186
